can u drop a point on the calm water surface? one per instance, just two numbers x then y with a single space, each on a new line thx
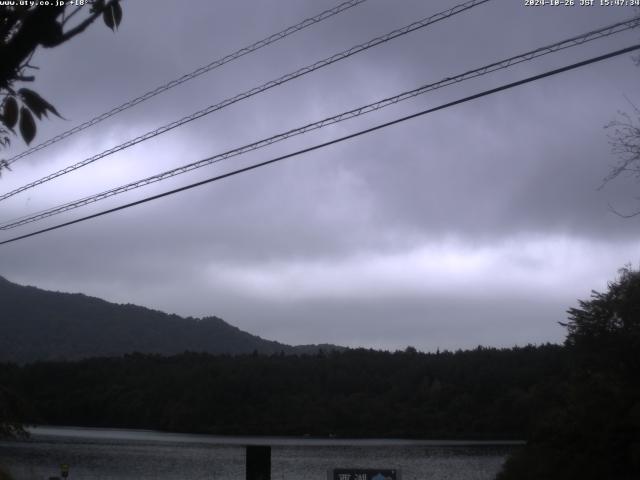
106 454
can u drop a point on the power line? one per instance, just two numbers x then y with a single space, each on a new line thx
254 91
502 64
331 142
195 73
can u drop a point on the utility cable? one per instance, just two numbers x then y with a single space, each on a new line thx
331 142
254 91
190 76
502 64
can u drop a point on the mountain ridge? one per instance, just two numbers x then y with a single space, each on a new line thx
45 325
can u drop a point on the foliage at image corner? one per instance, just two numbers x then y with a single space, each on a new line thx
24 28
594 431
4 474
12 414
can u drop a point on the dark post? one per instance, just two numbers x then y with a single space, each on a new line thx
258 462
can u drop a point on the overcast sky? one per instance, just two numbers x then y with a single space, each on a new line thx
478 224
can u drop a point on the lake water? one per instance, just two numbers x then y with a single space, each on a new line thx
109 454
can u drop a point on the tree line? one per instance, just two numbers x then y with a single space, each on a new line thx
481 393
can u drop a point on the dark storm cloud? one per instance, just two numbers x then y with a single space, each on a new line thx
504 189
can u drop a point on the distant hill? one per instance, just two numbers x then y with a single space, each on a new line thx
38 324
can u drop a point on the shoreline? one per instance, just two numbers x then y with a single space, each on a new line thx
43 431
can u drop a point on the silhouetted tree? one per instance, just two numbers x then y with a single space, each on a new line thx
24 28
624 138
12 413
605 330
625 144
593 430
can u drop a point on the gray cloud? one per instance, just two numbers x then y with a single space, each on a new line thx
500 192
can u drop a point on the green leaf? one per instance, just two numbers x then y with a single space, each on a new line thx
36 103
112 15
10 114
27 125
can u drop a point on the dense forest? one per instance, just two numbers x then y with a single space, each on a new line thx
483 393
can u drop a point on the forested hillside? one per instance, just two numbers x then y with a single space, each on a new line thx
37 324
484 393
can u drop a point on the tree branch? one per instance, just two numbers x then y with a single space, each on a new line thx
81 27
34 30
68 17
623 215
